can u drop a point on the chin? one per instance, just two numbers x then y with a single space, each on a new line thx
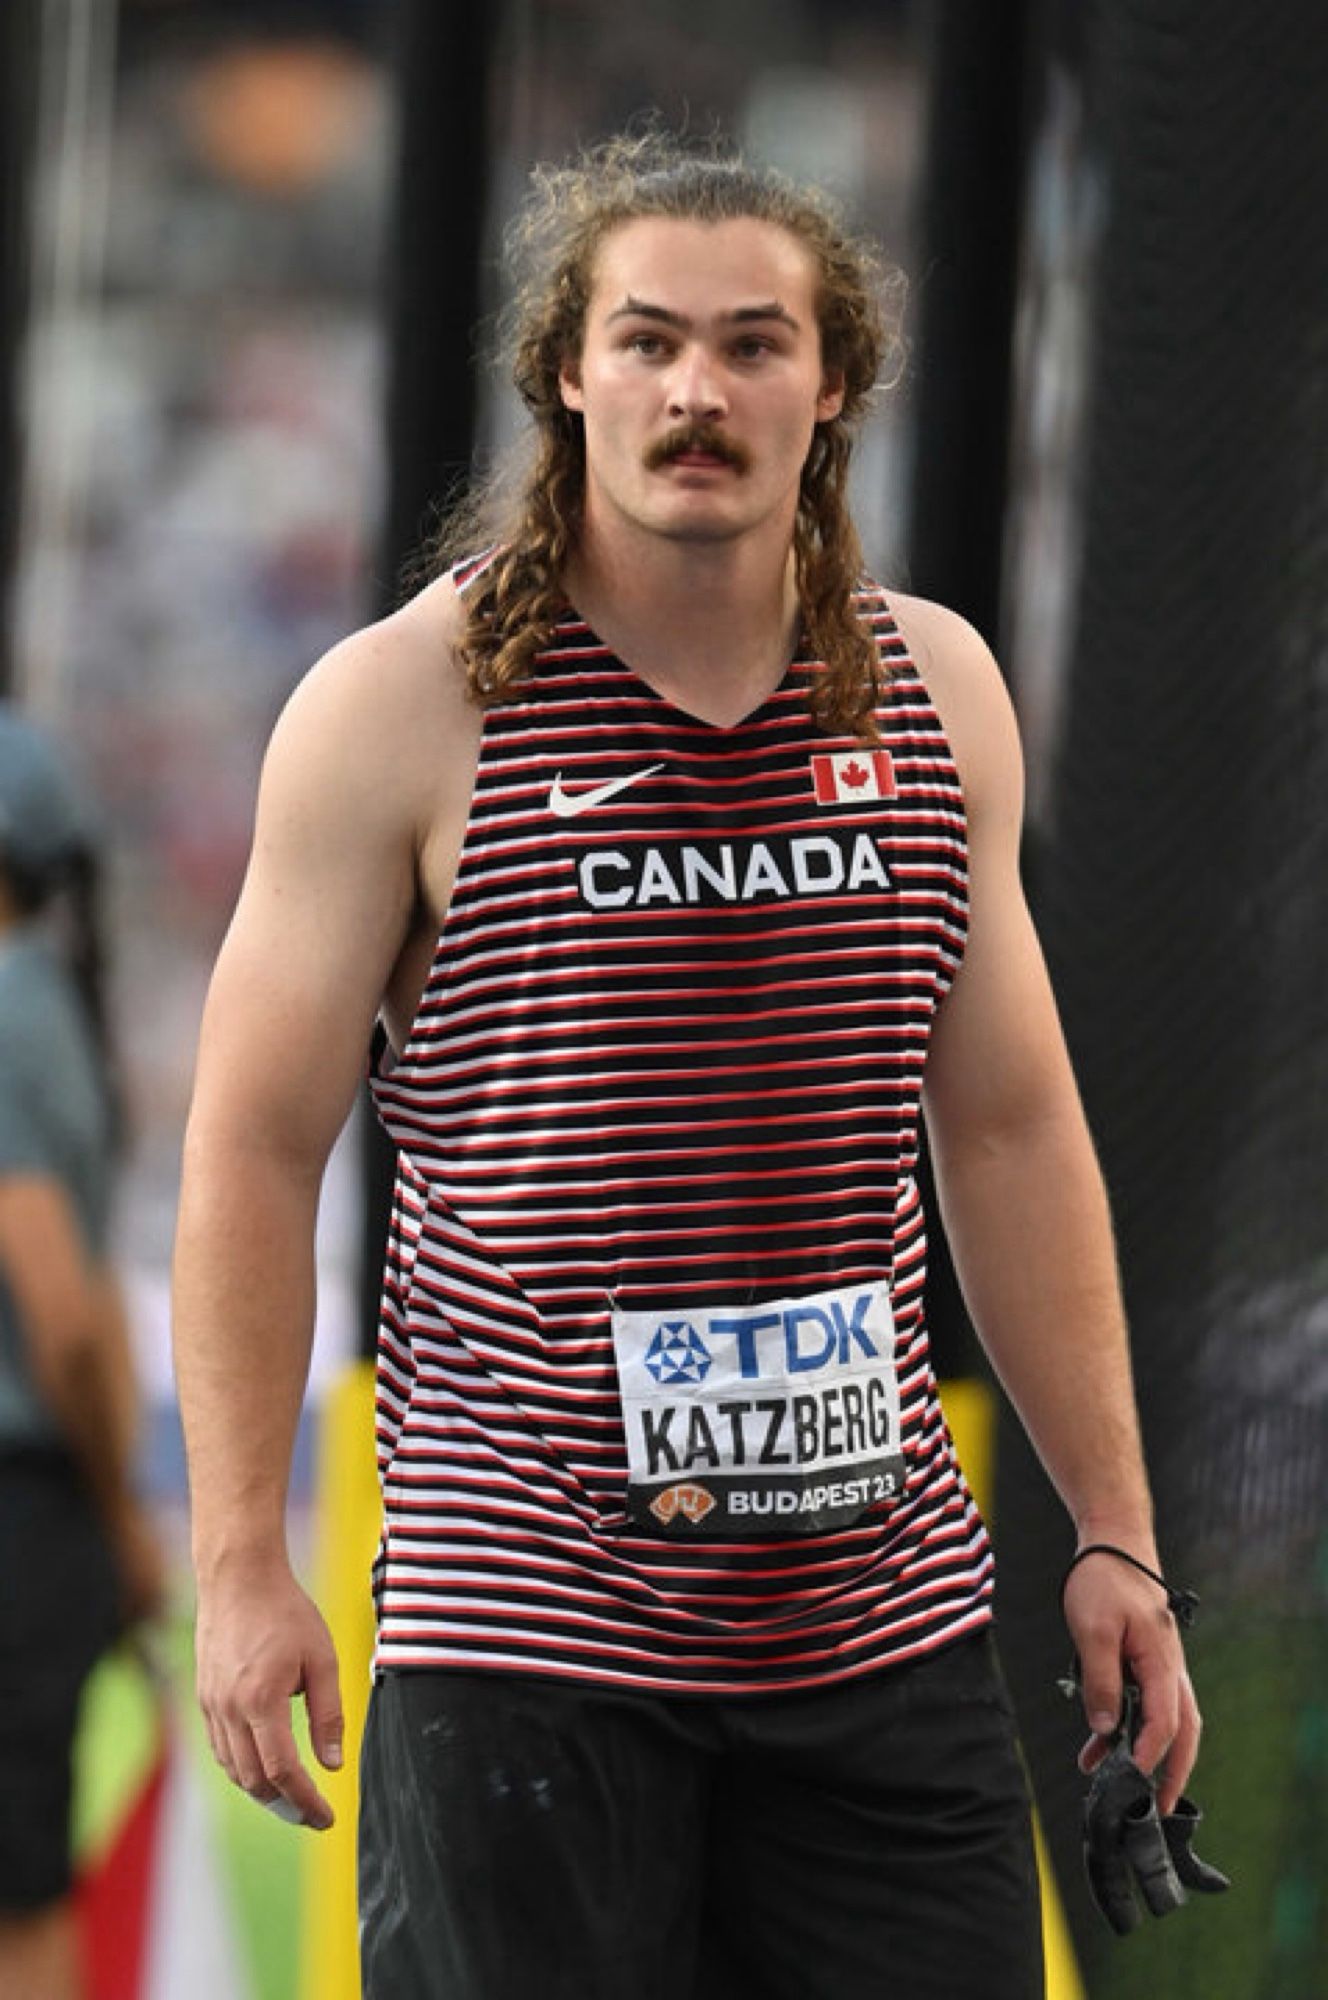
700 534
696 518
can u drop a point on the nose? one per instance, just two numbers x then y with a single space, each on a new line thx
695 386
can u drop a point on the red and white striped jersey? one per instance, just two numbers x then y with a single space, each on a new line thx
669 1058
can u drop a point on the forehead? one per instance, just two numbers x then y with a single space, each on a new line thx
704 268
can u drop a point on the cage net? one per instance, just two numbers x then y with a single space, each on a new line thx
1181 884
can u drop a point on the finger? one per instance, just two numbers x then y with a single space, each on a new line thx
287 1776
212 1733
1159 1704
221 1749
1096 1748
243 1762
227 1748
322 1695
1184 1750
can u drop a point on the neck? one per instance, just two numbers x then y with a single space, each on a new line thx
711 626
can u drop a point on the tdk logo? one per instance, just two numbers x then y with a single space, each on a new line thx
805 1337
677 1354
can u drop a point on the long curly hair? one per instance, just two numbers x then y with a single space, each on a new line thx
529 511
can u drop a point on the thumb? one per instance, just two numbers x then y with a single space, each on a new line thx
322 1697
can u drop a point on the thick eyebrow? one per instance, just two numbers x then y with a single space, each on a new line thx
632 308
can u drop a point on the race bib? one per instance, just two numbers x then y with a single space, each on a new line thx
779 1419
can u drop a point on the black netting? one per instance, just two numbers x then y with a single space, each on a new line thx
1182 890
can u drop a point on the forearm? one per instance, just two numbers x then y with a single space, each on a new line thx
243 1329
1027 1219
244 1311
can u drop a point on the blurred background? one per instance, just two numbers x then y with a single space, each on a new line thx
248 253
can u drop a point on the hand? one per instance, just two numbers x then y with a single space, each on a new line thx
261 1641
1119 1619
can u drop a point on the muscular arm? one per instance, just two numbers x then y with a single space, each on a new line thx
328 903
289 1014
1026 1215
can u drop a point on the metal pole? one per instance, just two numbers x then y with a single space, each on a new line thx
972 195
444 67
972 185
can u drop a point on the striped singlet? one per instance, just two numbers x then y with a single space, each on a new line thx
667 1070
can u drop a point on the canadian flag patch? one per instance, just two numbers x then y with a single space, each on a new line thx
844 777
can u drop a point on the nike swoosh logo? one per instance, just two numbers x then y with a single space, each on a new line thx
567 805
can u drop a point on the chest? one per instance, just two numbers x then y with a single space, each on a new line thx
600 808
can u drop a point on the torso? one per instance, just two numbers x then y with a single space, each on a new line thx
668 1058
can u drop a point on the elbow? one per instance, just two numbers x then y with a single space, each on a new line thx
228 1143
1047 1138
1005 1108
226 1173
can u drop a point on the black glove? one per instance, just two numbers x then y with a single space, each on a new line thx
1128 1846
1124 1844
1179 1827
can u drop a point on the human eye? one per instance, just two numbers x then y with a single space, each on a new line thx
650 346
752 347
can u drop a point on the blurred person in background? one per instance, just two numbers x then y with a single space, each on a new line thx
675 857
78 1558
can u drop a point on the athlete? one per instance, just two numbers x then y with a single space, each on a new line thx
679 863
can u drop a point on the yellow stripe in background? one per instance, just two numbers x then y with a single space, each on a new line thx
347 1517
970 1411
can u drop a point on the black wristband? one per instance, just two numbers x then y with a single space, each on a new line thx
1182 1604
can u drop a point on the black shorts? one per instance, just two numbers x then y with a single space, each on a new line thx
521 1836
58 1596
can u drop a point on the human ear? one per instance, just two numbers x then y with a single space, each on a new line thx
569 383
831 399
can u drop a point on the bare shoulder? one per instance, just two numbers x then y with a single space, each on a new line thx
385 714
368 761
388 682
966 684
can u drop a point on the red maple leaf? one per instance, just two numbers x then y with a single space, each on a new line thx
853 774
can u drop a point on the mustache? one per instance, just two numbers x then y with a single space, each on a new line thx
696 437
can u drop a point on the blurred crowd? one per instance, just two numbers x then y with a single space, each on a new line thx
204 466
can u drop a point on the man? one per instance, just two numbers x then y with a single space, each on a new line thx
677 860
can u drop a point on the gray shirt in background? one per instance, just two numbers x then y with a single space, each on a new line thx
54 1120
